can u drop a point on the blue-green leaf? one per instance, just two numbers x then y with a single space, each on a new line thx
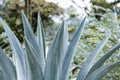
101 61
40 36
2 74
70 51
7 69
34 66
99 73
91 59
18 53
31 38
55 56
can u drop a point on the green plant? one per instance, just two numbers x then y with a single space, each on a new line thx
32 62
4 43
93 33
31 7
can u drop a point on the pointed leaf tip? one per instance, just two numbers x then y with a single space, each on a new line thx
71 50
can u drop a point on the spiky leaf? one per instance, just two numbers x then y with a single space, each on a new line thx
70 51
99 73
40 36
35 68
91 59
7 69
18 53
55 55
101 61
31 38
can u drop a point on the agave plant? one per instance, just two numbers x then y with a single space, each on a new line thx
32 62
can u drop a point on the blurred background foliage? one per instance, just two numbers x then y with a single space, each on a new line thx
10 10
104 17
12 13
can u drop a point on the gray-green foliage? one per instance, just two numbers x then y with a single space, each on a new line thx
95 32
32 62
4 43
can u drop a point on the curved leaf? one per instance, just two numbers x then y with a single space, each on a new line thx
40 36
55 55
35 68
7 69
18 53
99 73
70 51
31 38
101 61
2 74
90 60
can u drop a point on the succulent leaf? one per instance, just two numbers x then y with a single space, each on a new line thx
99 73
91 59
31 38
18 53
55 55
101 61
32 63
35 72
40 36
7 69
70 51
